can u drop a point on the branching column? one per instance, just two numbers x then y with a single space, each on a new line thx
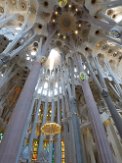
104 151
68 127
104 91
65 133
76 126
74 114
9 147
22 33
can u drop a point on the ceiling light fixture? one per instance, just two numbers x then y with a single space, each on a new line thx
27 58
33 53
70 5
76 32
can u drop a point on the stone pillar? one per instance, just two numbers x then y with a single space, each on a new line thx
68 127
104 151
76 129
10 145
104 91
58 143
65 136
115 115
71 70
65 132
74 115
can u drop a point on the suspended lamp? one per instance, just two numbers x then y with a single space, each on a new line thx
62 3
51 128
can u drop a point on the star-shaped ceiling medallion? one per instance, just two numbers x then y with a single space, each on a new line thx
66 23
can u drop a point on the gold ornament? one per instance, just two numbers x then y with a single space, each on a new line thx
51 128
